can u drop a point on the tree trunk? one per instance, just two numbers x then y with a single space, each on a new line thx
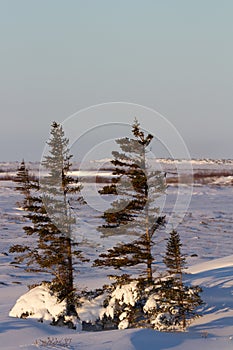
149 271
148 238
70 309
184 319
70 283
149 259
182 299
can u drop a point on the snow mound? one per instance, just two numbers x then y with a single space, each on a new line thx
211 265
38 303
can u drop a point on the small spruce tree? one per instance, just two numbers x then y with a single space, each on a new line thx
176 293
27 252
23 184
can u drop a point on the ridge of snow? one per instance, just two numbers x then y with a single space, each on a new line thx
211 265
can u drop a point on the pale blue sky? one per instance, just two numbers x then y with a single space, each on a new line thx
58 56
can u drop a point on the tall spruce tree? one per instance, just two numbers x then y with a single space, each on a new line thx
175 291
54 251
56 188
134 213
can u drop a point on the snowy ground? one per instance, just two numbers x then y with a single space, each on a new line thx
206 232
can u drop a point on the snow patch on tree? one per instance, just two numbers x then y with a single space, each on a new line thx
91 309
126 294
122 299
123 324
151 303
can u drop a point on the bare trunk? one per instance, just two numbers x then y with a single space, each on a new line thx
184 320
149 259
181 302
70 283
70 278
148 238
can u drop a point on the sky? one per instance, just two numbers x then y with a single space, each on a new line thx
62 56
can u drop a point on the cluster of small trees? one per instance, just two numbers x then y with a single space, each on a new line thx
161 302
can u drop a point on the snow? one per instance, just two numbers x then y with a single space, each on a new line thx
38 303
126 294
206 233
91 310
210 265
212 331
151 303
123 324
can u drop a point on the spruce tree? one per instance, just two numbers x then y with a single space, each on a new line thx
187 298
56 188
22 181
26 253
174 260
134 213
54 250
